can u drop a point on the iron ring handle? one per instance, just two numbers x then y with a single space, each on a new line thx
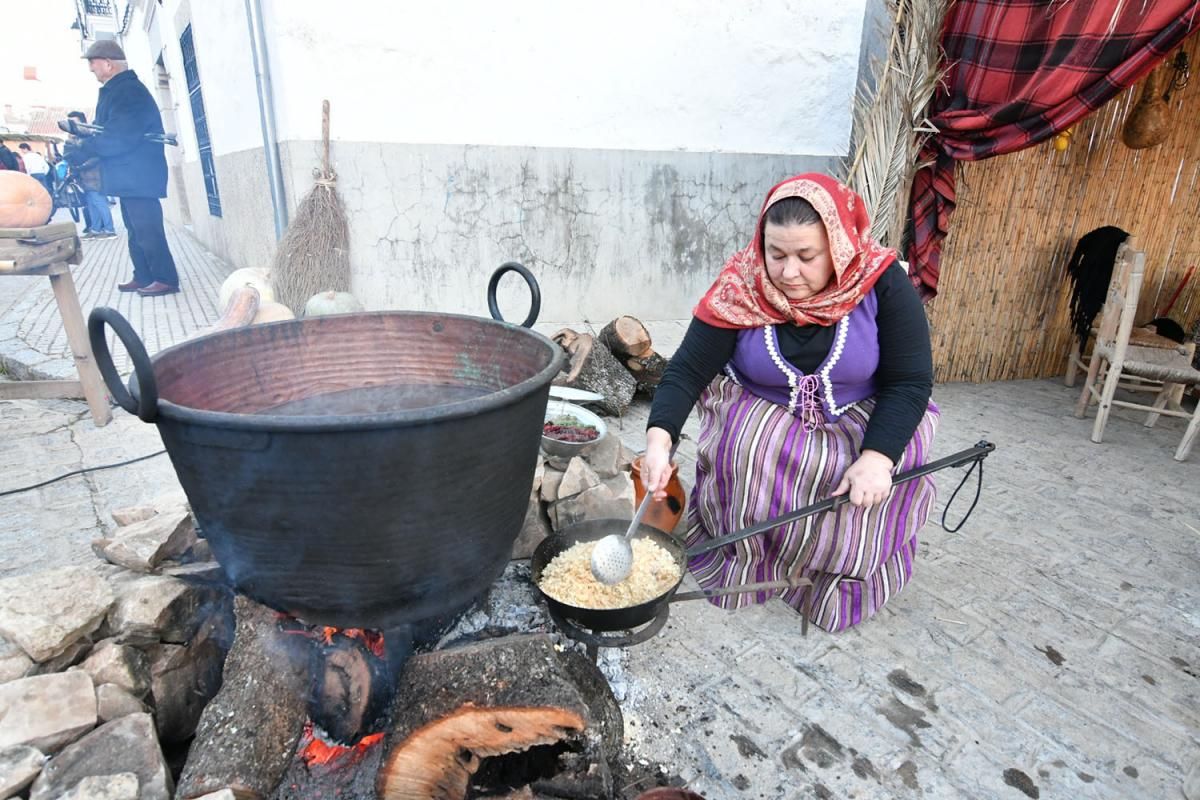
535 291
146 404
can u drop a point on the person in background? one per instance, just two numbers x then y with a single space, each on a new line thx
36 165
811 360
98 221
8 159
132 167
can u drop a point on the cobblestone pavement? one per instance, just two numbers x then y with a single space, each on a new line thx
1051 649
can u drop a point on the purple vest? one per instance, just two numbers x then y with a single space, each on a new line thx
845 377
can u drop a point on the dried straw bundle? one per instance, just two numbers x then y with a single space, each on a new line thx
314 254
889 120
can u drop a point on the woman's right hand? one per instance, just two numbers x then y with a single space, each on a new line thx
656 463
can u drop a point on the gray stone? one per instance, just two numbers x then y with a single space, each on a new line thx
557 462
128 744
75 652
127 515
224 794
622 489
113 701
119 664
47 711
538 473
18 767
183 680
605 457
535 528
154 608
596 503
121 786
200 551
550 482
47 611
14 663
579 478
142 546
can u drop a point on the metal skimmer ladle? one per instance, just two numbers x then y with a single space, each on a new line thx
612 557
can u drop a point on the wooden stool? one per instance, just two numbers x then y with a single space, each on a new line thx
50 250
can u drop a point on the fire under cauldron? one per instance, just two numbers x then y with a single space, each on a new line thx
360 470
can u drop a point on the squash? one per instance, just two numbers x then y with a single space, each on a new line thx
241 309
248 276
24 201
324 303
272 312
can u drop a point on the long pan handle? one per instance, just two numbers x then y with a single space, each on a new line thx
745 588
976 453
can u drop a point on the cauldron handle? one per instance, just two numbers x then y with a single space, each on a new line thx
146 404
535 304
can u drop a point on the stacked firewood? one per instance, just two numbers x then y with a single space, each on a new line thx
618 363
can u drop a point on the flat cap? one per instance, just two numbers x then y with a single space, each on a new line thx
105 48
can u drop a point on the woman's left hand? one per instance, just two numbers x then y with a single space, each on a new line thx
868 480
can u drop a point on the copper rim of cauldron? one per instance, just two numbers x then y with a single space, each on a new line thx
391 419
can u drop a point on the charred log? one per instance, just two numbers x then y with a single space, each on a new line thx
454 709
647 370
351 687
248 733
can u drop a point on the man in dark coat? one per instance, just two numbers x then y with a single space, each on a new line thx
132 167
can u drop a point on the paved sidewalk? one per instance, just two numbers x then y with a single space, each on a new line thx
1049 650
32 341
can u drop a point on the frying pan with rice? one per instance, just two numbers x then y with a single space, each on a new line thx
629 617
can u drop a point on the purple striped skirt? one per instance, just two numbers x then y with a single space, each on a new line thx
754 461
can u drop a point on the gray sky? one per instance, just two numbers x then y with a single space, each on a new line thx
40 36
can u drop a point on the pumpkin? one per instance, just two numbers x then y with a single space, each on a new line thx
272 312
24 201
258 278
324 303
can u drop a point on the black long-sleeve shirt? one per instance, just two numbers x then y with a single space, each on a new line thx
904 377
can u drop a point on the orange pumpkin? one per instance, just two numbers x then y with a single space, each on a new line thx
24 202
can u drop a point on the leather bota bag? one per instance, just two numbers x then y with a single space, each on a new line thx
1148 123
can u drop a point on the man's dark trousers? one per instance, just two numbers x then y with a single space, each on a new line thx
148 241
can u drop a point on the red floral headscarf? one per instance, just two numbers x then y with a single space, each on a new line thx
744 297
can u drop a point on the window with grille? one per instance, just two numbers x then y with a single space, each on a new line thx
203 142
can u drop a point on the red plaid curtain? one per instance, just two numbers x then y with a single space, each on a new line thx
1020 72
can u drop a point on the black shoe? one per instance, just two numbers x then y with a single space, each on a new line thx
157 288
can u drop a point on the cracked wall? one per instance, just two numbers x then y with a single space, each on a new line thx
605 232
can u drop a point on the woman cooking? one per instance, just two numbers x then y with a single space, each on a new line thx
811 362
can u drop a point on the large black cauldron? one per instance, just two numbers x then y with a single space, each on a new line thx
354 514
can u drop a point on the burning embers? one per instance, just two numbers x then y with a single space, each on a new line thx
316 752
319 712
352 679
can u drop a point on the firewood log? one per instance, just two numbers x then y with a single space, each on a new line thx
454 708
249 732
647 370
596 370
625 337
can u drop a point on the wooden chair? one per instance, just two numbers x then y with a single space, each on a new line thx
1114 356
1078 360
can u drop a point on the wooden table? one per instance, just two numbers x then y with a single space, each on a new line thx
50 250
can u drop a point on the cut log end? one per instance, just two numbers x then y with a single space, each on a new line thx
437 761
626 337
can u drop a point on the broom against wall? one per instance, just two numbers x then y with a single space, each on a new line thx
314 254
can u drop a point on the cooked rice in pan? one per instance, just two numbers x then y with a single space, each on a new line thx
568 577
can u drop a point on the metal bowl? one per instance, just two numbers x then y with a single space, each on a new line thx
559 408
